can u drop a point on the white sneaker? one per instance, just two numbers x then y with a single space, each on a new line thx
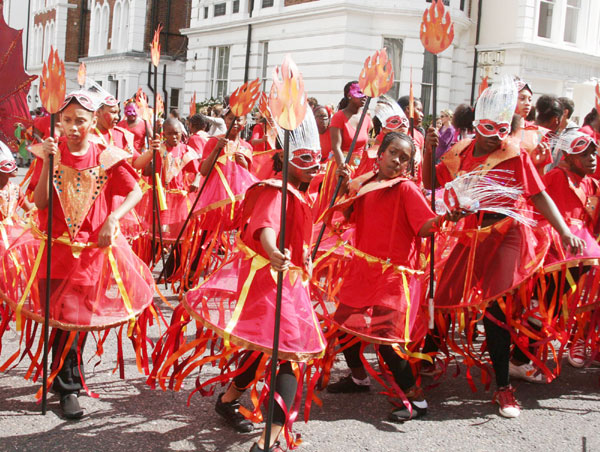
505 397
526 372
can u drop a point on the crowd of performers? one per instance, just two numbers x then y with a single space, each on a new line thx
515 231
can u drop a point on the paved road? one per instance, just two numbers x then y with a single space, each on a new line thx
129 416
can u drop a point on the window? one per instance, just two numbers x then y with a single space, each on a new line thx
174 98
462 5
220 9
220 71
206 12
267 3
116 27
571 19
427 83
394 50
236 6
264 59
124 33
545 19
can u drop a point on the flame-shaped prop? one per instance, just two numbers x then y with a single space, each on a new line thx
243 99
377 75
141 100
437 29
263 107
81 74
483 86
193 104
598 98
287 99
160 106
155 46
53 84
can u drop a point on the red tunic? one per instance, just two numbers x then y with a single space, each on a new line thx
197 141
507 253
139 132
325 140
340 121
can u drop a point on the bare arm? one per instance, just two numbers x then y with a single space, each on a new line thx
112 221
544 204
336 146
214 154
142 161
268 240
431 141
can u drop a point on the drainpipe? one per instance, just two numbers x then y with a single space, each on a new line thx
248 42
475 55
29 19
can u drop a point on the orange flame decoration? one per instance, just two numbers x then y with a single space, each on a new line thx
193 105
377 75
243 99
53 84
287 99
155 46
141 100
263 107
597 98
160 106
437 29
483 86
81 73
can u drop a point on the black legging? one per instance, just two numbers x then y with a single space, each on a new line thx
399 367
69 379
285 384
498 343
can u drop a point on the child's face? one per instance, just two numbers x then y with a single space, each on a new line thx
302 175
239 123
524 103
172 135
76 123
108 117
584 163
395 160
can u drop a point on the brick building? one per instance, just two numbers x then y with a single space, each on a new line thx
113 38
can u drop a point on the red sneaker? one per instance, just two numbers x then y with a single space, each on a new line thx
505 397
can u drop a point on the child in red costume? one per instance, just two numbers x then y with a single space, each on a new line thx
237 303
140 129
506 253
88 252
576 195
177 166
380 300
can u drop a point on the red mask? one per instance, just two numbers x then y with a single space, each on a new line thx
7 166
488 128
396 122
305 158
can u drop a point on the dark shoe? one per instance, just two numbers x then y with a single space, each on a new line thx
230 412
403 414
346 385
70 406
274 448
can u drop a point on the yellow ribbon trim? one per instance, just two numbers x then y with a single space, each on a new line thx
407 316
227 189
160 193
4 236
34 271
122 290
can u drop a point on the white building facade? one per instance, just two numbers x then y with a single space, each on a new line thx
553 44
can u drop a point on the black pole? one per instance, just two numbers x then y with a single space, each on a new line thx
433 183
29 19
476 54
191 212
271 405
164 87
248 43
154 212
340 179
48 269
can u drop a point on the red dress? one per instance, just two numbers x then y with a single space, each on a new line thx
340 121
138 131
381 296
85 294
262 155
485 263
177 167
236 305
11 226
